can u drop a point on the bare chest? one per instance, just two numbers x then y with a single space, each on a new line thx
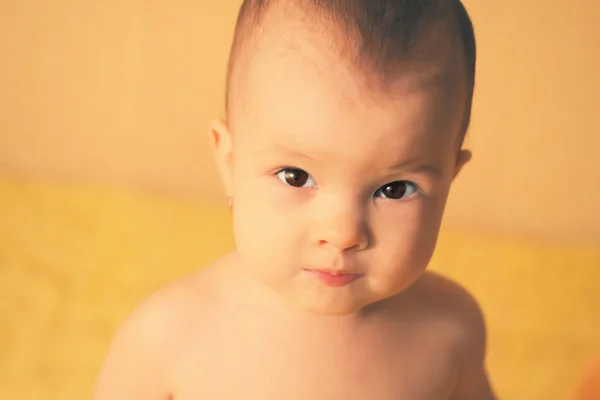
302 366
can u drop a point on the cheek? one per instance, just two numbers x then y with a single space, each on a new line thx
267 222
408 238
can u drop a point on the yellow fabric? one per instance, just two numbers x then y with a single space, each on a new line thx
75 261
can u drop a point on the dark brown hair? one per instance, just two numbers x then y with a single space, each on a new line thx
382 32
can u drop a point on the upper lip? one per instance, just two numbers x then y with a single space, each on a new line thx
334 271
339 265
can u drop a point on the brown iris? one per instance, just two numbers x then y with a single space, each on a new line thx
395 190
296 177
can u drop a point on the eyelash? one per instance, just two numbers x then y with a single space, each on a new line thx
414 187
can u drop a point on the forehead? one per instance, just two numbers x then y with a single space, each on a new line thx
301 89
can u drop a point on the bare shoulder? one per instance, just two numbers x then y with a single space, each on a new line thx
450 302
458 315
143 350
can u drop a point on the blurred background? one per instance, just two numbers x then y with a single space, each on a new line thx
108 191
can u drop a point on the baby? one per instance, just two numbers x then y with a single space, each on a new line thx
344 131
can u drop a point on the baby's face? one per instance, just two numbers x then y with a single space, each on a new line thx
331 177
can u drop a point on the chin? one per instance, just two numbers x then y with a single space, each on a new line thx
330 307
331 311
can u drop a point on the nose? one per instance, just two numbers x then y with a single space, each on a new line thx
344 229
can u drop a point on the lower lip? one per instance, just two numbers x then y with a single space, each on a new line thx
334 280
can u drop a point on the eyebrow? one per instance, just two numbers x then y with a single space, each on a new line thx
416 168
284 149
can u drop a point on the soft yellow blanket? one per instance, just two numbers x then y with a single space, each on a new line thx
75 261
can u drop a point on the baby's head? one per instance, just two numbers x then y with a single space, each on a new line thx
345 122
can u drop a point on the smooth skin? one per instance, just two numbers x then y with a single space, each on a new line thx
327 171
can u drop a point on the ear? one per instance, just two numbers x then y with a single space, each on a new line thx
222 146
464 156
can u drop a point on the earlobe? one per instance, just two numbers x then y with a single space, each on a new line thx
464 156
222 146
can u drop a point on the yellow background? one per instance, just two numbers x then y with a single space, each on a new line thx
116 95
74 262
121 92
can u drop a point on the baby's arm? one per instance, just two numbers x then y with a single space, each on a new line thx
474 385
473 381
137 365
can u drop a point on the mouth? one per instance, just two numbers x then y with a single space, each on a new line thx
334 278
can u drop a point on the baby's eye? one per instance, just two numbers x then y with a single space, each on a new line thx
296 177
397 190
